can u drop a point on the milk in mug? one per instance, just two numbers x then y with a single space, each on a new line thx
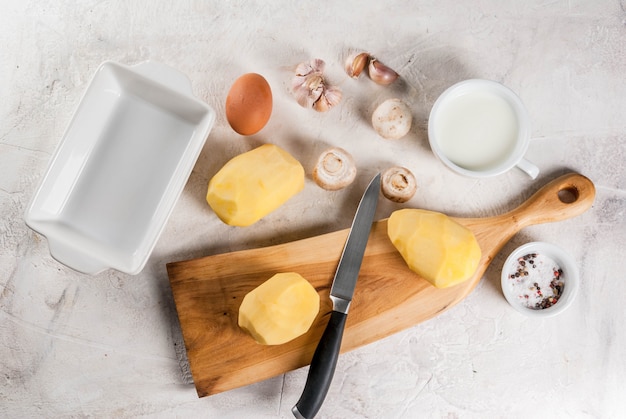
477 130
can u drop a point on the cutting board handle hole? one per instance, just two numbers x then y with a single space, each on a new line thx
568 194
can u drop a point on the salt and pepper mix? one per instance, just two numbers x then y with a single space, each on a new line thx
537 281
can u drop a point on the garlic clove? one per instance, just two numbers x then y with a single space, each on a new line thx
318 65
392 119
303 69
356 64
314 82
333 95
322 104
297 82
380 73
398 184
330 97
315 66
306 98
307 89
335 169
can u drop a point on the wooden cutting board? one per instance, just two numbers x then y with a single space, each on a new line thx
388 297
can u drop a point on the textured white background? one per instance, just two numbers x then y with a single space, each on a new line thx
104 346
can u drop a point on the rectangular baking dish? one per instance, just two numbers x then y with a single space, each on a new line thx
120 167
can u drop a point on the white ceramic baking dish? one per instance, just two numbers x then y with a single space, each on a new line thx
120 167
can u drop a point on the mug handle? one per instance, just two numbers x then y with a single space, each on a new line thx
528 167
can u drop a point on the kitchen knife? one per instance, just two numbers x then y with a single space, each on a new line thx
325 357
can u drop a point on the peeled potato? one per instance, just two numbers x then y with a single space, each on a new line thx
280 309
253 184
434 246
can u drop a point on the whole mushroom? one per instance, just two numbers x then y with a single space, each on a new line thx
392 119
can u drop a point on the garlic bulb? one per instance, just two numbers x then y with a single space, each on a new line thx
335 169
311 90
392 119
380 73
356 64
398 184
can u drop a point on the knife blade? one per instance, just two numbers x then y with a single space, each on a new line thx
324 360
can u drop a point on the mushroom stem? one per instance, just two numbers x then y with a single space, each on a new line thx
335 169
398 184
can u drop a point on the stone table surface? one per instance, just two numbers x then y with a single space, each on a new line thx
73 345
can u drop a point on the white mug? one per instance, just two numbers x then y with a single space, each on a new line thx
480 128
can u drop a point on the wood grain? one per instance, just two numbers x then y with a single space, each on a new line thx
388 297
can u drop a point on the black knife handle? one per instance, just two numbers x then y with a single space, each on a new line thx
322 368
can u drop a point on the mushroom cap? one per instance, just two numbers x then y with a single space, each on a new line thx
392 119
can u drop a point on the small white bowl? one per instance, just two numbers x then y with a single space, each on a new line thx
570 277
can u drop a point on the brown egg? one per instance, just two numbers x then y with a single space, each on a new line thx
249 104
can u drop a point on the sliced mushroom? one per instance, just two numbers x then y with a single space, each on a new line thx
335 169
398 184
